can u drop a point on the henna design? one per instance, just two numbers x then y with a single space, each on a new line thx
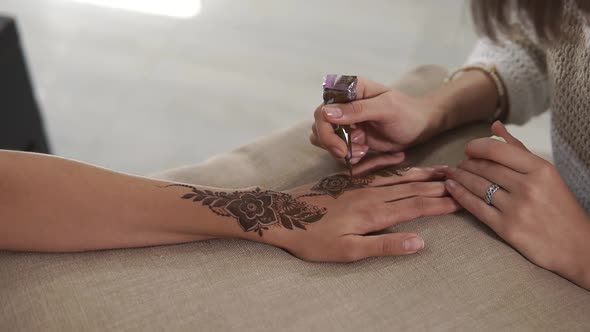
336 185
387 172
257 210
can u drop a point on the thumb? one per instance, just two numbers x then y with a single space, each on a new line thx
499 129
373 109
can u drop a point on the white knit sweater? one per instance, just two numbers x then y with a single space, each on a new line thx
555 77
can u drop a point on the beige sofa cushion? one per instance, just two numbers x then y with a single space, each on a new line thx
466 279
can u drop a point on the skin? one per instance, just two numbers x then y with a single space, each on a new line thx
534 211
52 204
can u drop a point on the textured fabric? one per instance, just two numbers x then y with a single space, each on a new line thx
465 280
538 77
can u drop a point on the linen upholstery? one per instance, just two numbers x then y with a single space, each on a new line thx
466 279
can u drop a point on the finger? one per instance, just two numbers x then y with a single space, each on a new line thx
478 186
487 214
359 151
392 244
499 129
410 208
313 139
378 161
395 176
314 130
357 136
505 154
366 88
390 194
326 136
493 172
373 109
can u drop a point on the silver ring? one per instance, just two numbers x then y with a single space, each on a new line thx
490 193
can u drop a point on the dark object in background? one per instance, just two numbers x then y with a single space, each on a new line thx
21 127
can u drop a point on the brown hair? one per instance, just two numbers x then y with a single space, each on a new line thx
494 16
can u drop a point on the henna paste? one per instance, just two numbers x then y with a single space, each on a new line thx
257 210
336 185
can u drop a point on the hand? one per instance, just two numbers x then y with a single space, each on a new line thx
534 211
352 210
383 120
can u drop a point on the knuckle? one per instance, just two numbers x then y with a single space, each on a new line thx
390 99
419 203
476 166
318 114
512 234
459 193
416 187
312 139
547 169
373 218
520 216
529 192
438 188
389 246
459 173
490 152
356 108
481 148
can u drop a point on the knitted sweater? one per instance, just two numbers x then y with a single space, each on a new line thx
556 77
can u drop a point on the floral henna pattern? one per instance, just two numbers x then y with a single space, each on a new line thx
258 209
387 172
336 185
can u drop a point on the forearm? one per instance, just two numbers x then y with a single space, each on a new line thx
472 96
54 204
577 264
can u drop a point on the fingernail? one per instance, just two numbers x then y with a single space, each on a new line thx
451 184
498 138
355 161
358 154
356 137
441 168
413 244
333 112
398 154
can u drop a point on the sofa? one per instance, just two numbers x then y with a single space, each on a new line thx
466 279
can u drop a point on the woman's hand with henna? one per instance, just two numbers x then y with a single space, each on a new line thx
342 215
533 210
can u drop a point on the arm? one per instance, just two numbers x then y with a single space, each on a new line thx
471 97
521 65
533 210
389 120
53 204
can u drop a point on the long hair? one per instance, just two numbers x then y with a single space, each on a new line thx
546 16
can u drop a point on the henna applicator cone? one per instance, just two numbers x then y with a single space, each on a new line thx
339 89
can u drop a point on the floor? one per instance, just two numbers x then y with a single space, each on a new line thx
140 93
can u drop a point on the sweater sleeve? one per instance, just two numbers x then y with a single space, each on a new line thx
522 67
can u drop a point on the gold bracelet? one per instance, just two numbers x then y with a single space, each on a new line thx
490 71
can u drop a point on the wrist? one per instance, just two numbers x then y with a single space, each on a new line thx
469 98
437 119
577 265
584 255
